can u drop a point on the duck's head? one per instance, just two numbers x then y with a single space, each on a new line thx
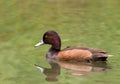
51 37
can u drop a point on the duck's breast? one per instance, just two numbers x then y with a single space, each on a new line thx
75 54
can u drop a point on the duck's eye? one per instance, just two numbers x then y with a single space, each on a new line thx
46 36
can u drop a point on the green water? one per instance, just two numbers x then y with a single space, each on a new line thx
93 23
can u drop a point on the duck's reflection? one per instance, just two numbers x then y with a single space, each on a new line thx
77 69
52 72
83 69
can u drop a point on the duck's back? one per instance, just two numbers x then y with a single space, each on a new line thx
82 54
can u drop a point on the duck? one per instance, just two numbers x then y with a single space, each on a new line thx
70 53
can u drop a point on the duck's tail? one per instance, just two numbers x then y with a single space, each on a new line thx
110 55
101 57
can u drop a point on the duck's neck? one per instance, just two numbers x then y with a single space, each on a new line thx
56 46
53 51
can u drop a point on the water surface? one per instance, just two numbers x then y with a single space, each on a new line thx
79 22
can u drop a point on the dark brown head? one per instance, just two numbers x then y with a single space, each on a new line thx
52 38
